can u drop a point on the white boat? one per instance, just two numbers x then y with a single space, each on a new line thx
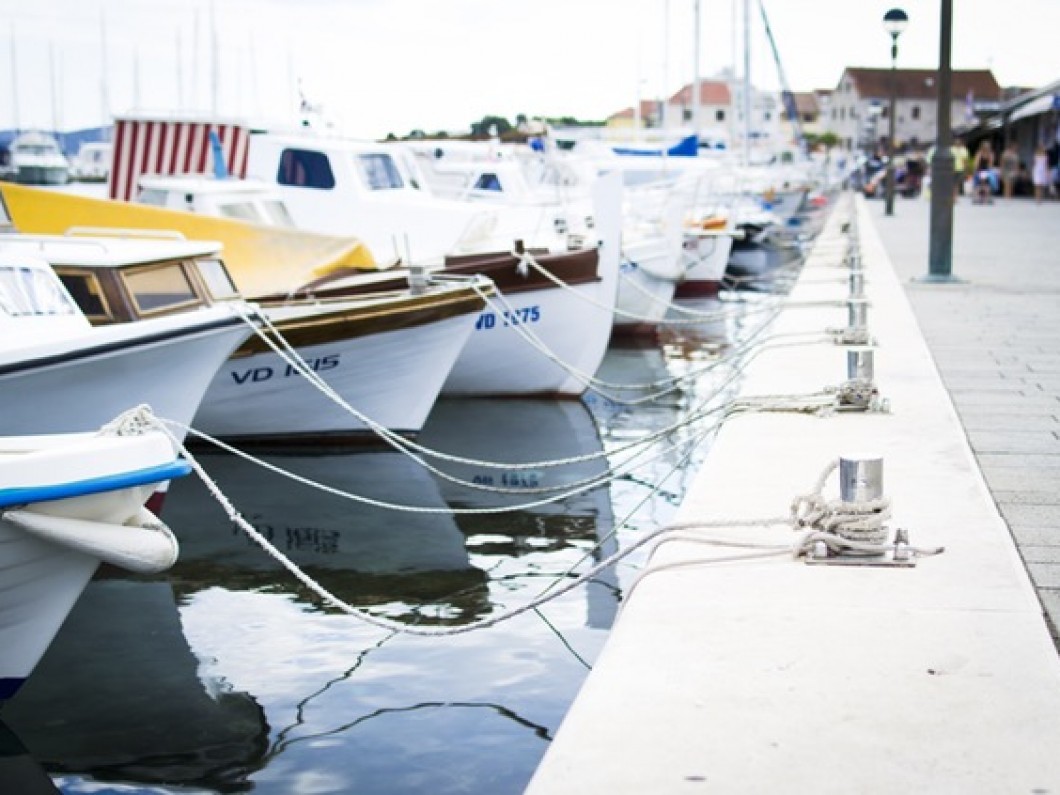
67 503
92 163
37 160
58 373
385 354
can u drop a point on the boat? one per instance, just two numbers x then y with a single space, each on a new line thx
47 345
69 502
92 163
386 354
260 258
36 159
563 300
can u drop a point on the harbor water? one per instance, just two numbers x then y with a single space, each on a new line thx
226 674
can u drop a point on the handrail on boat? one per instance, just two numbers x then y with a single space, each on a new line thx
114 231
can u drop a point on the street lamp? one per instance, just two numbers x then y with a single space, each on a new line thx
894 22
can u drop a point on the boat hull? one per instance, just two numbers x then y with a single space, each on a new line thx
49 548
78 388
392 377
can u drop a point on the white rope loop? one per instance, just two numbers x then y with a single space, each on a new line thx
859 521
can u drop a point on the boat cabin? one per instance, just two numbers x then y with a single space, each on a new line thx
116 280
240 199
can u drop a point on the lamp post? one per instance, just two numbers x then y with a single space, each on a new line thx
894 22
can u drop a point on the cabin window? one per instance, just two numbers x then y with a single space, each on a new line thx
152 196
160 287
379 172
31 291
244 211
215 275
305 168
277 214
488 182
85 289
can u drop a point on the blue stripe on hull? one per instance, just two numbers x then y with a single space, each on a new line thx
24 495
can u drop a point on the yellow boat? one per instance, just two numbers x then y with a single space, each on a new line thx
262 259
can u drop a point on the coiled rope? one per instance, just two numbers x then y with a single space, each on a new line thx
825 522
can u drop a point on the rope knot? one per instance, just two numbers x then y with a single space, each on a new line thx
135 422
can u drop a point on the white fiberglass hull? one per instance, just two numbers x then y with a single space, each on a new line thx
648 277
708 256
79 385
570 324
392 378
49 549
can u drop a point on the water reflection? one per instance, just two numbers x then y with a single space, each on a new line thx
119 693
265 684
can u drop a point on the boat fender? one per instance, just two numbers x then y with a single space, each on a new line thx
143 544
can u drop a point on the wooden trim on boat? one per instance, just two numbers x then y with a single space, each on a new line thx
575 267
374 316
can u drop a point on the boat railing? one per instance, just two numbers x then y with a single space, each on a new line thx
115 231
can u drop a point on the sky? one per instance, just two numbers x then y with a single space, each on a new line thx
381 66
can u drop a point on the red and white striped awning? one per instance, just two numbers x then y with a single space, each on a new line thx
161 146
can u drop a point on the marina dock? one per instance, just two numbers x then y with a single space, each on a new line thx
737 666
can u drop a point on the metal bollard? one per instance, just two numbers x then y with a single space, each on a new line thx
857 313
860 363
857 284
860 478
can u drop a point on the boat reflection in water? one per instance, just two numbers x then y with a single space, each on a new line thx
229 675
119 695
524 432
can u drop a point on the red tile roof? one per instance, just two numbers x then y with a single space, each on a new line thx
923 83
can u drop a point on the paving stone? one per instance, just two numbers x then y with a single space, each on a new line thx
1018 480
1034 554
1045 575
988 461
1041 441
1034 515
1006 402
1036 536
1014 421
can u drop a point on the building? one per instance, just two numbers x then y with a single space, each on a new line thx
859 107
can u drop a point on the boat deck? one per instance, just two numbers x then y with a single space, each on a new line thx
735 667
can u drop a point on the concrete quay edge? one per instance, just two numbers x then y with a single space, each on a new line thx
767 674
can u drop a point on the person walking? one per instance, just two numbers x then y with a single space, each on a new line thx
983 179
1010 166
960 166
1040 173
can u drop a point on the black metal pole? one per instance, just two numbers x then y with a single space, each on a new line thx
940 245
889 175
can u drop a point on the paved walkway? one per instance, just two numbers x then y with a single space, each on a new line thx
995 337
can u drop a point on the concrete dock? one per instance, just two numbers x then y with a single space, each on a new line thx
736 666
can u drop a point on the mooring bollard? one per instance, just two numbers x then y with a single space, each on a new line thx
857 284
860 364
860 478
857 313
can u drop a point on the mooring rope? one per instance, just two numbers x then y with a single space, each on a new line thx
830 520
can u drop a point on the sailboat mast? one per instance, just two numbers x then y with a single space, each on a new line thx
104 97
747 126
14 80
696 80
666 64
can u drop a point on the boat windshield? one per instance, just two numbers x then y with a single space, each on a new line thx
379 171
28 291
